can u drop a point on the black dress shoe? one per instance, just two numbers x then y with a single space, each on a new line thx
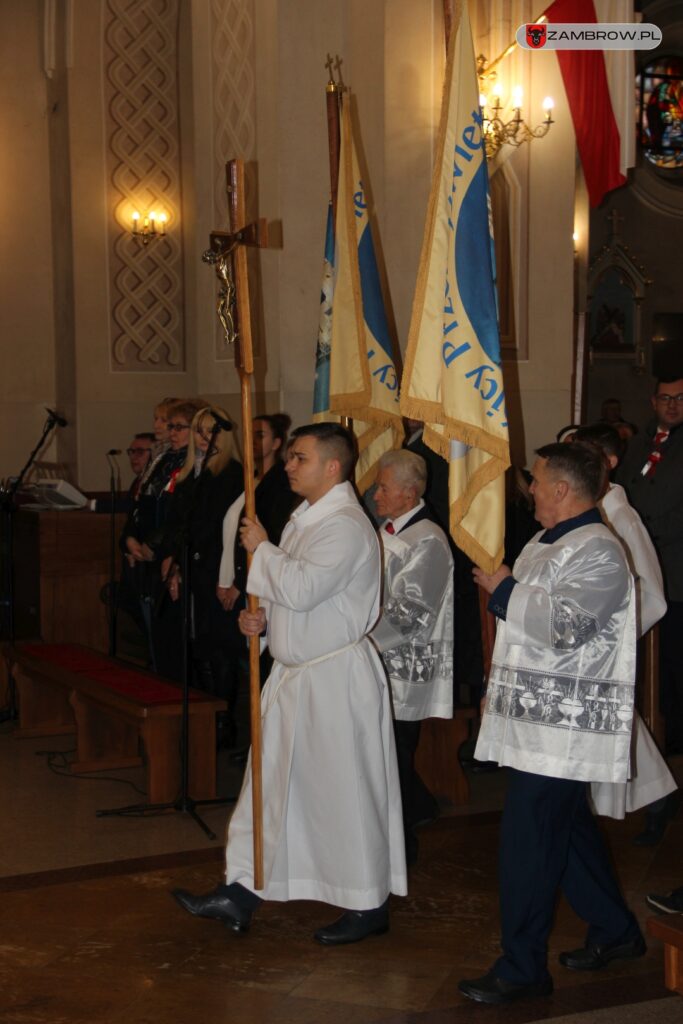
354 926
216 906
490 989
670 903
594 958
483 767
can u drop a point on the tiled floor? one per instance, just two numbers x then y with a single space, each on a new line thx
107 944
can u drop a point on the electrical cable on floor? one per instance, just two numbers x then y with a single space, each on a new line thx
58 764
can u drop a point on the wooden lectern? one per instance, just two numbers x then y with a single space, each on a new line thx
61 564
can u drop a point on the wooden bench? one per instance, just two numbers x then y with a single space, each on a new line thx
670 931
436 759
122 716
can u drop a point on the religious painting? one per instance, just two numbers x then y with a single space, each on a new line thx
611 329
659 97
616 289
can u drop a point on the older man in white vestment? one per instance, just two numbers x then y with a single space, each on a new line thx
332 809
559 709
415 634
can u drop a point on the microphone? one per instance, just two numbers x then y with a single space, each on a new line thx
59 420
114 451
221 420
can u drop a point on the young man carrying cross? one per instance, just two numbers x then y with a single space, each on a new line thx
333 829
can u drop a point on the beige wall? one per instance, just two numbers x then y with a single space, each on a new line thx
27 364
57 302
545 376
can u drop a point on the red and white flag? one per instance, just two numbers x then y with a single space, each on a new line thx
597 112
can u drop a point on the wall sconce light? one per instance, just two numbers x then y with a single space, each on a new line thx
515 131
497 132
148 226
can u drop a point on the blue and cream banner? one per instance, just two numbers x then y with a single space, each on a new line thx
358 352
453 379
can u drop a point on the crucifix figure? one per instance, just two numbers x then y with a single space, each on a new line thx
228 254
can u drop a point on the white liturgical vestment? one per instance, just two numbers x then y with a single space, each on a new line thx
415 633
332 822
649 775
560 695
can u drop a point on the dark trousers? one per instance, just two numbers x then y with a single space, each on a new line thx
418 804
671 676
550 840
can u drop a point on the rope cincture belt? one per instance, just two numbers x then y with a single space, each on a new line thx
288 669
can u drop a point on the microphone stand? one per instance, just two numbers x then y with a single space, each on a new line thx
185 804
7 509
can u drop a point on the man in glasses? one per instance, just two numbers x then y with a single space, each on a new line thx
652 475
139 452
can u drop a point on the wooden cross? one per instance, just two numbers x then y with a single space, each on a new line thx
228 253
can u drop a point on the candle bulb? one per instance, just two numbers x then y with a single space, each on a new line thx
548 105
517 97
136 222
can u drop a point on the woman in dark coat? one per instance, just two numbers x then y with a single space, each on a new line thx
275 502
206 486
144 529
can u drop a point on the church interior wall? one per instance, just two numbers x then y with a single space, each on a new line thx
27 365
245 77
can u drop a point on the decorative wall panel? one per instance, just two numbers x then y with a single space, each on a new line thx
234 116
141 90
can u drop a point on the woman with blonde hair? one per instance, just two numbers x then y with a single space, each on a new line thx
211 446
208 483
143 532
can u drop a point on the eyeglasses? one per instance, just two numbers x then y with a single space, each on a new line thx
137 451
666 399
177 426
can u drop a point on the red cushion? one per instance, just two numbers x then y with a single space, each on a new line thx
129 682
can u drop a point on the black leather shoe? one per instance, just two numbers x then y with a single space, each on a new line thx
594 958
215 906
490 989
483 767
354 926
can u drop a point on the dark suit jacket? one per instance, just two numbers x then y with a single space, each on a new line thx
658 498
275 502
424 513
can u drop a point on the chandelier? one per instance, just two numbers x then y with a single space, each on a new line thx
498 132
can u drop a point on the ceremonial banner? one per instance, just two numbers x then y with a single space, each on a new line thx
355 359
452 379
321 387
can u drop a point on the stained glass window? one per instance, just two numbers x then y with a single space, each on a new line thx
659 91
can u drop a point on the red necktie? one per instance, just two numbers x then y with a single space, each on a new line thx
389 527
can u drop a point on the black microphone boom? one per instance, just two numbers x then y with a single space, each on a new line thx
59 420
220 420
114 451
